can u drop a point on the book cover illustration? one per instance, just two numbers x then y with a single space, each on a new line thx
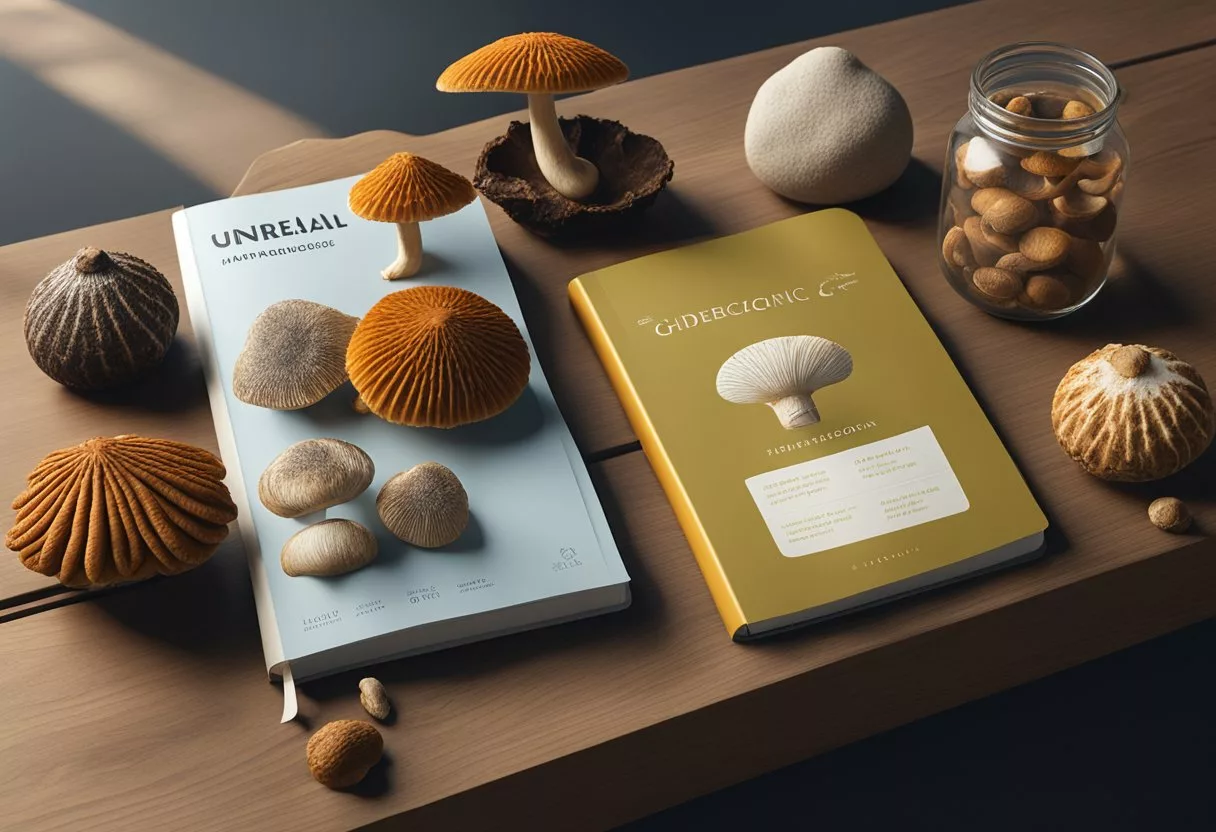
814 437
536 528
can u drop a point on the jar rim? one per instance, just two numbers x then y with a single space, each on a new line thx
1076 66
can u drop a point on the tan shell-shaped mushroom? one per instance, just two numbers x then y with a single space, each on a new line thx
341 753
122 509
783 373
1133 413
331 547
294 355
100 319
424 506
315 474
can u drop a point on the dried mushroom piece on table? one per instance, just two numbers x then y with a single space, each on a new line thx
122 509
100 319
1133 413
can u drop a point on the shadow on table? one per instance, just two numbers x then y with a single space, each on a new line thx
176 385
207 611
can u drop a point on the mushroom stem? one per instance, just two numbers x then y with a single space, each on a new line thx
409 252
795 411
570 175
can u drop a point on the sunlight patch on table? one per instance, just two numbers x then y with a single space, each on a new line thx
204 124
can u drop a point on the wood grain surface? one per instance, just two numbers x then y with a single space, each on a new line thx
147 707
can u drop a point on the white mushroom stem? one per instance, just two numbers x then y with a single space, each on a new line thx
795 411
409 252
572 176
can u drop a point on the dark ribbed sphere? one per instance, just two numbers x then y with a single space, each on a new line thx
100 320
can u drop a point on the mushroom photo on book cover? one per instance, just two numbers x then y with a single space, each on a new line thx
783 373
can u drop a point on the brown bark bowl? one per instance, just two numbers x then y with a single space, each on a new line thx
633 170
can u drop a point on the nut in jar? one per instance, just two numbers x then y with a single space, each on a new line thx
1034 183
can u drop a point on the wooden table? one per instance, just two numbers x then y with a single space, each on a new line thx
147 706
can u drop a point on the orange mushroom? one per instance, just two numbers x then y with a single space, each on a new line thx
437 356
541 64
407 189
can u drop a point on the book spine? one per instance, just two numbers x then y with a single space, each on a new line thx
635 411
200 322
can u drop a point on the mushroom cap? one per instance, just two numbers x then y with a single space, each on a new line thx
772 369
121 509
313 475
100 319
1133 413
437 356
294 355
331 547
425 506
408 188
534 62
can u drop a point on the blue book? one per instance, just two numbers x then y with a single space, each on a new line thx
537 550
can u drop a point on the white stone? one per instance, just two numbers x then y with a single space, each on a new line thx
827 129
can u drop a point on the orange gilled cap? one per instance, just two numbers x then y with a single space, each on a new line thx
437 356
534 62
408 188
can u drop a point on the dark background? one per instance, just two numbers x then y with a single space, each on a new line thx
1124 743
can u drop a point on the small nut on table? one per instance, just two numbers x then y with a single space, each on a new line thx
1170 514
341 753
374 698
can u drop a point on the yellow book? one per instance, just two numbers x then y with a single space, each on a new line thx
820 449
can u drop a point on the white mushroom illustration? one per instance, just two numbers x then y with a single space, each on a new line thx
783 373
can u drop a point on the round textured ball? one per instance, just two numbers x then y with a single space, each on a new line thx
827 129
315 474
425 506
100 319
122 509
341 753
1170 515
1133 413
437 356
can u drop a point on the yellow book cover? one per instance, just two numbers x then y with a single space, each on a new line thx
820 449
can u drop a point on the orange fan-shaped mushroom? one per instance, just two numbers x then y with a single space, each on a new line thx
541 64
121 509
437 356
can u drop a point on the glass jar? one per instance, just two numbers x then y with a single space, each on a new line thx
1033 183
